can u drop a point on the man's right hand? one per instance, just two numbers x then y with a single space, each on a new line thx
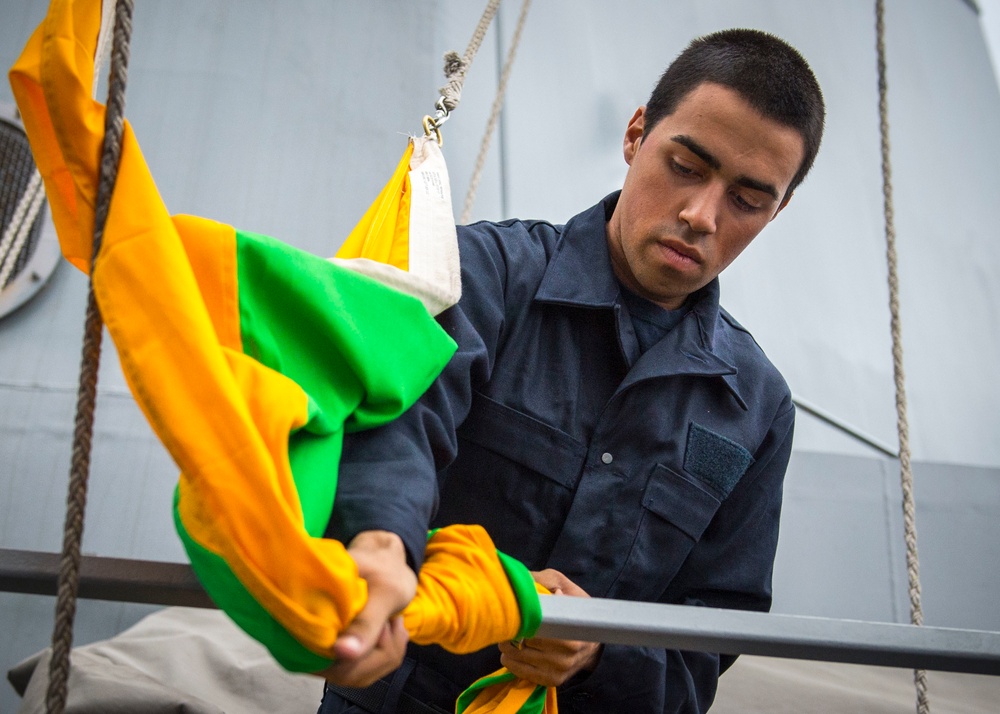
374 643
551 663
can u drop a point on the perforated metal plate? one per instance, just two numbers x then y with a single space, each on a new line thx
29 250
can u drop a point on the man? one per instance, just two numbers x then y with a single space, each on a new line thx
606 421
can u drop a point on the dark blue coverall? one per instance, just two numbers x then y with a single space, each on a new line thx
650 476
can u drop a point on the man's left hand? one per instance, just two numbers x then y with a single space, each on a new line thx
551 662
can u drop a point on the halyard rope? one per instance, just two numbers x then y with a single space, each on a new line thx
455 67
484 147
902 424
69 567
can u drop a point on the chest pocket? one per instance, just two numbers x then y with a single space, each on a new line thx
676 510
716 460
514 475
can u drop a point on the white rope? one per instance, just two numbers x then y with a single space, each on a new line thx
455 67
902 423
17 231
18 218
484 147
104 36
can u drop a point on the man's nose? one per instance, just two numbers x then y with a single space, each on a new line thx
700 209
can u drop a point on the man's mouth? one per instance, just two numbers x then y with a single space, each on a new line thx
681 252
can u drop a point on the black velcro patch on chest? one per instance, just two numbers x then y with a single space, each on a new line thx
718 461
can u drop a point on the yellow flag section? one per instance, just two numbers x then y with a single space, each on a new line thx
503 693
251 359
407 239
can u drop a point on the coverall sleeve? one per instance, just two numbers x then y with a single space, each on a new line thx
388 475
730 567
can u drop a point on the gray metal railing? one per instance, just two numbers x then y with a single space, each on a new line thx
595 619
844 428
116 579
739 632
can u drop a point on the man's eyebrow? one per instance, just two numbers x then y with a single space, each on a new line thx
698 150
709 158
756 185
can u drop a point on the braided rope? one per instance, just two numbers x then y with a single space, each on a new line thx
69 567
484 147
19 229
19 213
455 67
902 424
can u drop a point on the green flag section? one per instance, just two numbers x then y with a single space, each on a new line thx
503 693
347 353
526 591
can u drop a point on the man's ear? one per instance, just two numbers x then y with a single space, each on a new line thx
633 134
784 203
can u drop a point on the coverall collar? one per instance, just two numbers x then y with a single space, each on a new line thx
580 274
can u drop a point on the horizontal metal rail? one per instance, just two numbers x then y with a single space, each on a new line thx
595 619
117 579
739 632
843 427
